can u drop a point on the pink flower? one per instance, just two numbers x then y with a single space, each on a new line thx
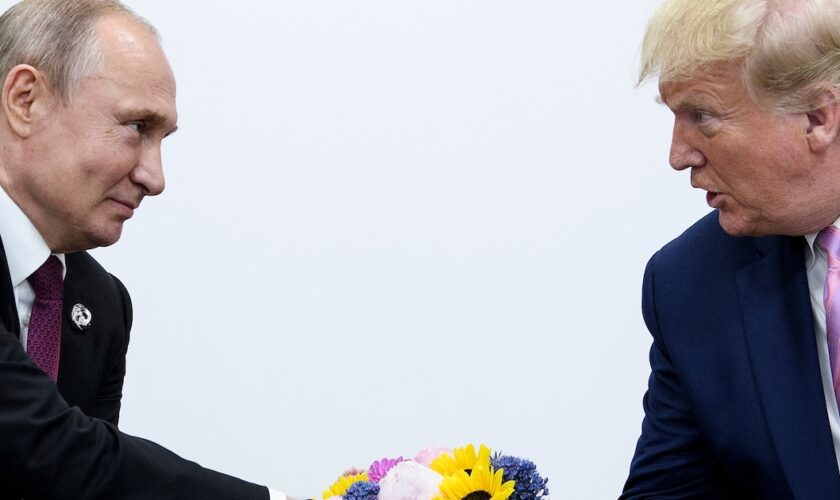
428 455
409 481
379 468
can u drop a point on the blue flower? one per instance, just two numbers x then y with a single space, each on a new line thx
529 484
362 491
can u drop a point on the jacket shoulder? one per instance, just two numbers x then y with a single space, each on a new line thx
83 265
706 248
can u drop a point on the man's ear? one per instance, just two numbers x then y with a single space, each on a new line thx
25 97
824 120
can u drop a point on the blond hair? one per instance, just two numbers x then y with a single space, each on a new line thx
789 49
57 37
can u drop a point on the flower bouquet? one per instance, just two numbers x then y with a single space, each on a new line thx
443 474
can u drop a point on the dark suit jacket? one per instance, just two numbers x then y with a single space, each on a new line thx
735 405
61 442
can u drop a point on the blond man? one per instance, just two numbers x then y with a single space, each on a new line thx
743 394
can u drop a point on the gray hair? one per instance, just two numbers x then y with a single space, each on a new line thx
57 37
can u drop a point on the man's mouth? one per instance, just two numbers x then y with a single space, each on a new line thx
713 199
125 207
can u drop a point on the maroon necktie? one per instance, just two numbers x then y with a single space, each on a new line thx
43 343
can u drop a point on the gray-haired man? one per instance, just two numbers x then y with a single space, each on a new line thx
87 98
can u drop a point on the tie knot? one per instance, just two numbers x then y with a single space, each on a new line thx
47 281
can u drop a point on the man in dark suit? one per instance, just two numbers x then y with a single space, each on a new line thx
87 98
743 395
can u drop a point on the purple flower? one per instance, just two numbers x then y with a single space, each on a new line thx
529 484
379 468
362 490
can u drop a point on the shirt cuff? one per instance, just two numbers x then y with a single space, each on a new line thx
276 495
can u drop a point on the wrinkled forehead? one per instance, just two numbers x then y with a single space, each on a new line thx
134 81
720 78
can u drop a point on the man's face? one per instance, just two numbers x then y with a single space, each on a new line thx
756 167
94 158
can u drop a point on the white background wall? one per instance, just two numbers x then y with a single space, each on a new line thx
394 224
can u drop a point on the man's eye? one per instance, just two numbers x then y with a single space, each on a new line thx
700 116
137 126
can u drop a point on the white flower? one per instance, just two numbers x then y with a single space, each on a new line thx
409 481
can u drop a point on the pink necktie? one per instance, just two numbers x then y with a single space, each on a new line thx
43 343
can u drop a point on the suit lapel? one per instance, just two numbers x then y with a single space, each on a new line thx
779 330
76 376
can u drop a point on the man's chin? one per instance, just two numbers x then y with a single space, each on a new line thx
101 237
736 227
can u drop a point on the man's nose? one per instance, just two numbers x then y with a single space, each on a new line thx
683 155
149 172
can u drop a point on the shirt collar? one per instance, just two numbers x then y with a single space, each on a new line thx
25 248
811 249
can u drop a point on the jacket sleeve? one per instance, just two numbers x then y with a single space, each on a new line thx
49 450
672 459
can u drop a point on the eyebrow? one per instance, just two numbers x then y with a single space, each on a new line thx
687 102
152 116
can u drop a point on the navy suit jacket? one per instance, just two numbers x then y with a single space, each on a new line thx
735 406
60 441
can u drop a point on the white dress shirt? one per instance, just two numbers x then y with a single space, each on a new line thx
816 264
26 251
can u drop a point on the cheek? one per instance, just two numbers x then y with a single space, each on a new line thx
731 165
754 167
110 165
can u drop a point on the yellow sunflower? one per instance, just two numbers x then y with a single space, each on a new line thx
340 487
481 484
466 459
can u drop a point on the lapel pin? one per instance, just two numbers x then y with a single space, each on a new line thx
81 317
